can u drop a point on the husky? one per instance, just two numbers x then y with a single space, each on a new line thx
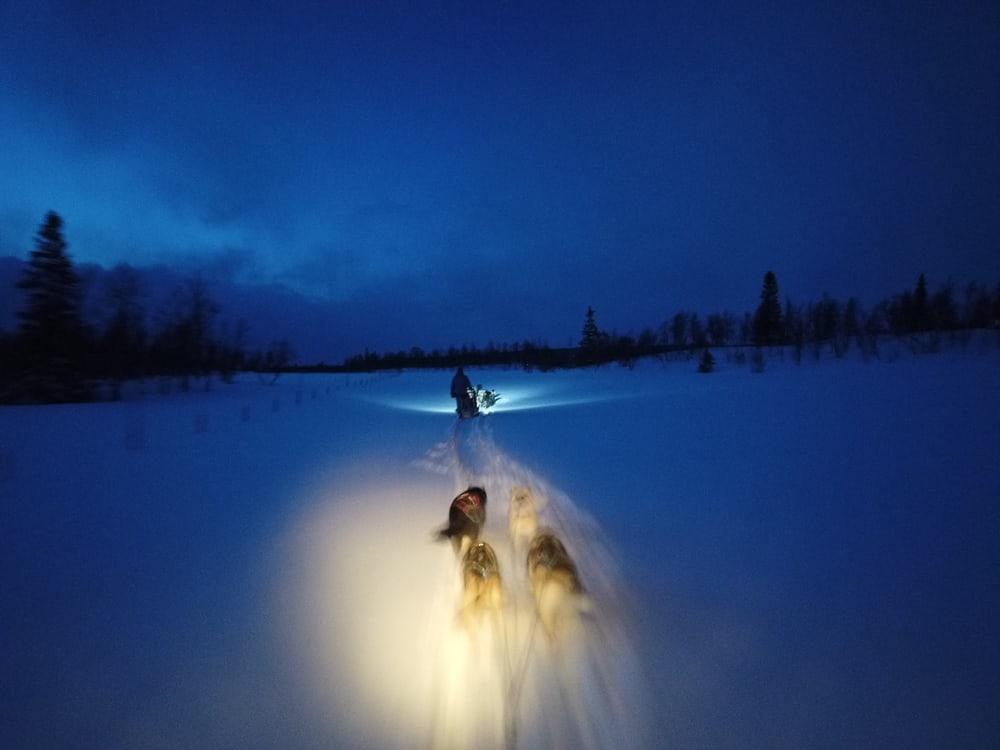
555 583
522 516
480 582
466 517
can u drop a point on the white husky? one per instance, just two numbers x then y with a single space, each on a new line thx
522 516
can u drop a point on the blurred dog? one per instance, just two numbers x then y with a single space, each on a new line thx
522 516
481 586
466 517
555 583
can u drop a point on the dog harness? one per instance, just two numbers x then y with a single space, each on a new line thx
549 553
471 505
481 561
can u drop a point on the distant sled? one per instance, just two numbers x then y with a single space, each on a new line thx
474 400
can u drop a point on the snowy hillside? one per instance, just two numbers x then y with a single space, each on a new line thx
805 557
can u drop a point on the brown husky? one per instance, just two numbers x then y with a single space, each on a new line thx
480 582
555 583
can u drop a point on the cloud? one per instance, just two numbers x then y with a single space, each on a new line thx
490 175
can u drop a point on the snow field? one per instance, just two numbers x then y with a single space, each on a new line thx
805 557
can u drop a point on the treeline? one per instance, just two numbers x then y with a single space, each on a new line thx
828 322
818 325
526 354
56 355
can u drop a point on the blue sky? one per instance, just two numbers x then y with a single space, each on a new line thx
458 172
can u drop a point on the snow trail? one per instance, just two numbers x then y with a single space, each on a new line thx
384 641
582 689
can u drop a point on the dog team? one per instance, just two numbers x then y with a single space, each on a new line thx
552 574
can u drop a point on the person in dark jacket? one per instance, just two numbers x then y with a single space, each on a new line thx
461 391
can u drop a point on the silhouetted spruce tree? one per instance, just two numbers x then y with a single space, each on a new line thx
767 328
591 333
51 334
590 338
920 320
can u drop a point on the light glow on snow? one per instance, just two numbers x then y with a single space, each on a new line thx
378 601
512 398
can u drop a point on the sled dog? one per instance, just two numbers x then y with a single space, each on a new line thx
522 516
480 582
555 583
466 517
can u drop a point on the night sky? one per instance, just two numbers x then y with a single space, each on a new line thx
447 173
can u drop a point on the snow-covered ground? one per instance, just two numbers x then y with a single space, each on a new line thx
807 557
